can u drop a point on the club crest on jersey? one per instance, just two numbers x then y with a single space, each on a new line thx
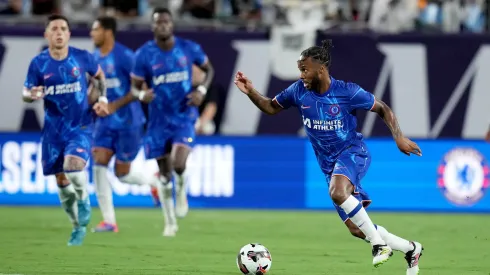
109 69
334 109
463 176
75 72
183 61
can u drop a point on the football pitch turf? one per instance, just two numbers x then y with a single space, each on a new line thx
33 241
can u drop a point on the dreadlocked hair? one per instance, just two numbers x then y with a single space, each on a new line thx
320 54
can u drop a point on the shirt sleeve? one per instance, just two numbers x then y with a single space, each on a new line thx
33 77
139 67
92 65
199 58
287 98
361 99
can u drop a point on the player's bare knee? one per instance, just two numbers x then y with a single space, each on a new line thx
122 169
165 167
61 180
338 194
101 156
179 168
181 152
340 189
73 163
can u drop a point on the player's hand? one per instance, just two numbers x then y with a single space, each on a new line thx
195 98
408 147
243 83
103 109
36 93
148 97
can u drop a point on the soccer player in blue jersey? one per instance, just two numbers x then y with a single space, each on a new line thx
58 76
165 65
120 133
327 106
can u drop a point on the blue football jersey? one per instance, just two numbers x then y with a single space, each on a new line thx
117 66
65 84
329 119
169 74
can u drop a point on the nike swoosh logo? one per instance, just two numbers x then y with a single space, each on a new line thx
304 107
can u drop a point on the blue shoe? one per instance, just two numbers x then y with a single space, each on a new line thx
77 236
84 212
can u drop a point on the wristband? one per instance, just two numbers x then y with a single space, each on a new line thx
203 90
141 95
138 94
26 93
103 99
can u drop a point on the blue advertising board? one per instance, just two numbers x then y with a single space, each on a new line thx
277 173
231 172
450 176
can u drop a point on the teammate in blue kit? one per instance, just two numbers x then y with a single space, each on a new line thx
327 106
119 133
165 65
58 75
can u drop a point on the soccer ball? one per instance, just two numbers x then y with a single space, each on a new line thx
254 259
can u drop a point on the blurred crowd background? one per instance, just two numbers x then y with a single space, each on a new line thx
377 15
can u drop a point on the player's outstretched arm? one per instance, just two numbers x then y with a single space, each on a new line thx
405 145
265 104
385 112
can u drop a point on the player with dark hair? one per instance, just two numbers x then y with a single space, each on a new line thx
57 75
165 65
327 106
120 133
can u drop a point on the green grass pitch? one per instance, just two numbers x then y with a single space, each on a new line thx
33 241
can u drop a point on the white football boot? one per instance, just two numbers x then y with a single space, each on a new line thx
170 230
413 257
381 254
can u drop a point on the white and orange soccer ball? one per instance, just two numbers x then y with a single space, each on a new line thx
254 259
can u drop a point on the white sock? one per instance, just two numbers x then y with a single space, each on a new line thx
79 180
394 241
359 217
180 183
103 191
167 200
68 199
139 178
